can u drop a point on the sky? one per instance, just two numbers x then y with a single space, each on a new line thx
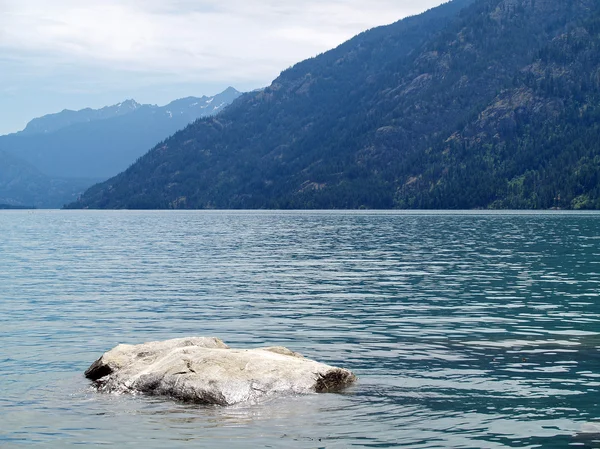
72 54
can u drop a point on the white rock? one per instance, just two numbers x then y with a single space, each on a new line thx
205 370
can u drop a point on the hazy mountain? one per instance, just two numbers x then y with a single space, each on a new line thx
101 143
484 103
53 122
8 206
23 185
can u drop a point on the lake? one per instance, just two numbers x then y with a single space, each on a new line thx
466 329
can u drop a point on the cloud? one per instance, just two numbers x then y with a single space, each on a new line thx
201 40
80 53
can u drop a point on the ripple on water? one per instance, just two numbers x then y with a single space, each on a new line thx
467 330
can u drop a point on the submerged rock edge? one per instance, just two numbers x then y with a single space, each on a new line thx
205 370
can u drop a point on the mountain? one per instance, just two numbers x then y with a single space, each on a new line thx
101 143
53 122
8 206
22 185
474 104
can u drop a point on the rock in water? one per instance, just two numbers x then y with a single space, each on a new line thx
205 370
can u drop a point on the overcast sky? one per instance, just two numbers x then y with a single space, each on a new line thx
58 54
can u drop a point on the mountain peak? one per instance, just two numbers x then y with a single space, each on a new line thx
98 143
206 105
129 104
54 122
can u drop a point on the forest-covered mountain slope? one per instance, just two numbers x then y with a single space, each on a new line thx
474 104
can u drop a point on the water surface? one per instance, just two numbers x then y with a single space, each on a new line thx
467 330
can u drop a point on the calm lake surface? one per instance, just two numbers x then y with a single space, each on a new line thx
467 330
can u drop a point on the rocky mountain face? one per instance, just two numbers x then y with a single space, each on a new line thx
474 104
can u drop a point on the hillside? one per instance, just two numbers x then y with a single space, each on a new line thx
22 185
474 104
8 206
99 143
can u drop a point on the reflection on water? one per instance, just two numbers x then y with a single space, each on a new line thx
466 330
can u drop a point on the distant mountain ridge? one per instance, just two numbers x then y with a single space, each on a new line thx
474 104
101 143
53 122
191 108
57 156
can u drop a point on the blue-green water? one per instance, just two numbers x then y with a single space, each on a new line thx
466 330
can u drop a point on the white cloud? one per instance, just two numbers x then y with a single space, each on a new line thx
241 40
57 54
